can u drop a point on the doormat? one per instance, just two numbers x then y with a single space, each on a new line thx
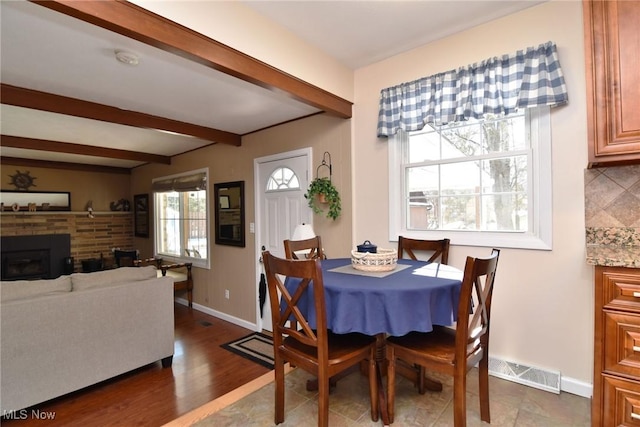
256 347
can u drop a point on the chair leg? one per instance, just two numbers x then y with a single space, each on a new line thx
279 401
483 378
373 388
421 388
323 401
391 382
460 399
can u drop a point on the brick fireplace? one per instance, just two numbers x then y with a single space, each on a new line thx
89 237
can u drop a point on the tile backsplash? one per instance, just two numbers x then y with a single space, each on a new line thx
612 205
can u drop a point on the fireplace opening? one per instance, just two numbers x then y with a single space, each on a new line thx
33 264
34 257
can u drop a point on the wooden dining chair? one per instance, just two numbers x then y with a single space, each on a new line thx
126 258
440 249
312 245
454 351
437 251
314 349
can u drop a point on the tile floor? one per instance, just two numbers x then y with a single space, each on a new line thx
511 405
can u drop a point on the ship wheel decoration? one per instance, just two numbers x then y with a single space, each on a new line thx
22 180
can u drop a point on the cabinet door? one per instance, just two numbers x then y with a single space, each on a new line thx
612 41
621 402
622 344
620 288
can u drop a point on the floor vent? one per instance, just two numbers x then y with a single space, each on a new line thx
527 375
205 323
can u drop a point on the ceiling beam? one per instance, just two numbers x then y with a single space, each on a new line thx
85 150
28 98
62 165
145 26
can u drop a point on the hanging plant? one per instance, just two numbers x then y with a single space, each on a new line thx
323 187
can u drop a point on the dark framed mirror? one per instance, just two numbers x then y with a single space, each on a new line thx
19 200
229 202
141 215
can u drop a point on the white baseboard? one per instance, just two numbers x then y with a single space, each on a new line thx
576 387
220 315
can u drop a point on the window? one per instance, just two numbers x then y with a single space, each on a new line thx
478 182
181 217
283 179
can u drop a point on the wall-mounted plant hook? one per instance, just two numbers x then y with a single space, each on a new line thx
325 164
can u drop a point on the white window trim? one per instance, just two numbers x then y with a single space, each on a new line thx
197 262
540 191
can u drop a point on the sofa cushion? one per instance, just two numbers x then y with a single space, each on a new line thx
83 281
23 289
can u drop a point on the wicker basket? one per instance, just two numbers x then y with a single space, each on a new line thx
383 260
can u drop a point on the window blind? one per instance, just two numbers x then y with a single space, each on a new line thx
184 183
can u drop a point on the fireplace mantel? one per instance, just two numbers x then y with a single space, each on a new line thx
22 213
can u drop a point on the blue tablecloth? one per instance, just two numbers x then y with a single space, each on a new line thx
409 299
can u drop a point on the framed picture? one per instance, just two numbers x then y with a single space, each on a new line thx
141 215
224 202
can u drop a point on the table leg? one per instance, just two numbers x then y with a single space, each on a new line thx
381 368
412 374
312 384
409 372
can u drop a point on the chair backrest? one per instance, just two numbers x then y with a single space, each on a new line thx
440 248
289 309
125 258
474 309
312 245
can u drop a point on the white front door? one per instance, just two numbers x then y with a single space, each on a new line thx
281 182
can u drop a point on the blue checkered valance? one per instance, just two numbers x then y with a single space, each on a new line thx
496 86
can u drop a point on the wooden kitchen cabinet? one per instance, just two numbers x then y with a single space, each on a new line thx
612 42
616 378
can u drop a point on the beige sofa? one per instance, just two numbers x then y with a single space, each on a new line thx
61 335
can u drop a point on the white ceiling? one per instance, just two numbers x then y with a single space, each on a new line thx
361 32
50 52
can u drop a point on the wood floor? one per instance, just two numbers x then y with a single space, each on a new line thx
153 396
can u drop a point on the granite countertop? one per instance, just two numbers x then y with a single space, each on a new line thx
614 256
613 246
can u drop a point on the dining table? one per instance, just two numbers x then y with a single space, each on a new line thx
414 296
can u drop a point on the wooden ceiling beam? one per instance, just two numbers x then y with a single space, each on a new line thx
145 26
85 150
28 98
16 161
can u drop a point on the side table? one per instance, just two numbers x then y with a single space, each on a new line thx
180 272
181 280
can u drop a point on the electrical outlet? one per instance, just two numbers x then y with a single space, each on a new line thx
226 293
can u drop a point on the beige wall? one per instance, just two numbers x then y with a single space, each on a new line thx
234 268
99 187
543 302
